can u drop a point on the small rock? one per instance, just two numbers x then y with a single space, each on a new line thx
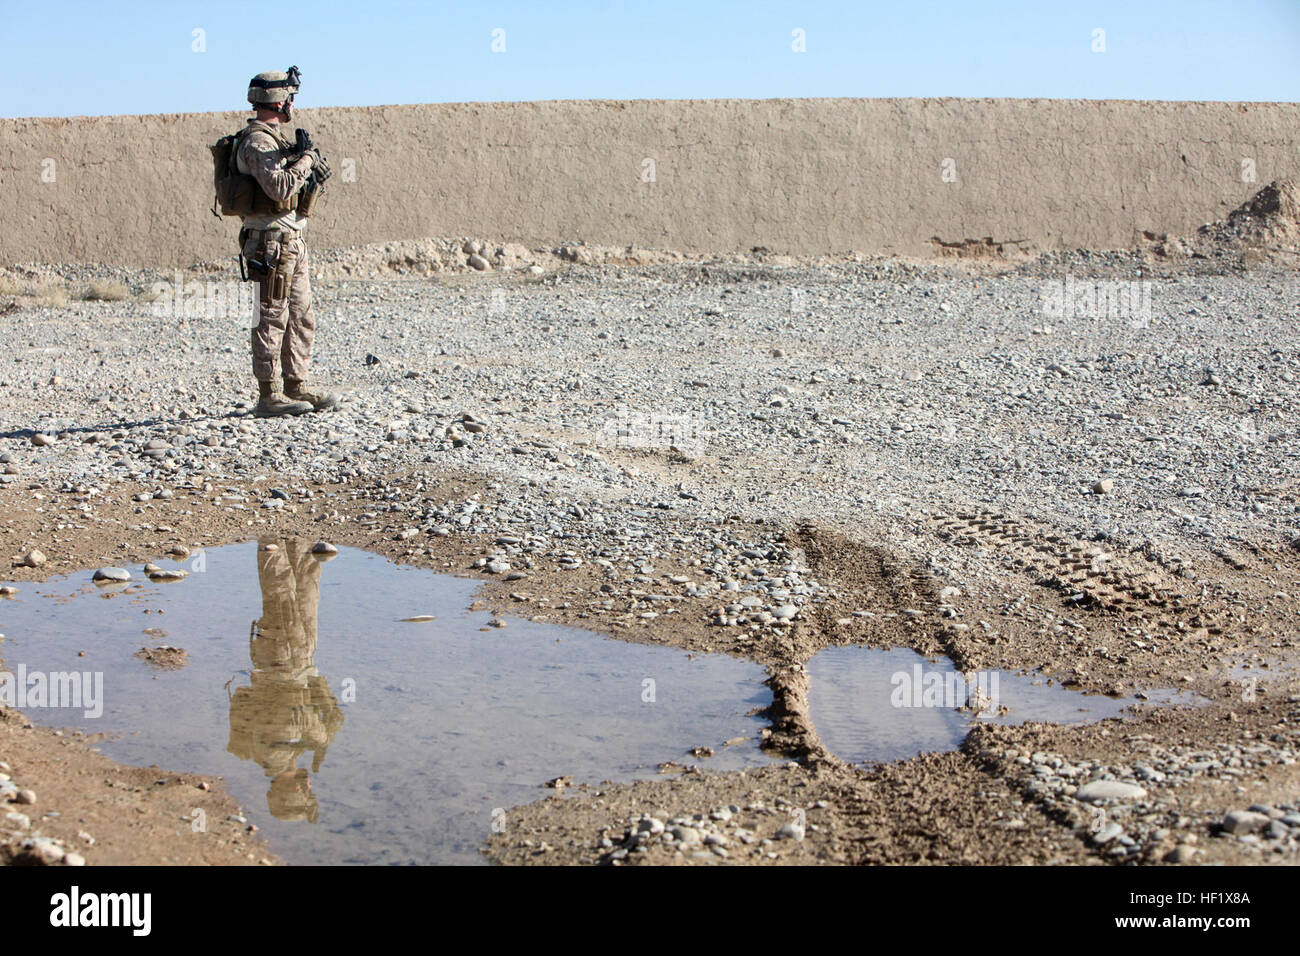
1103 486
1107 833
43 850
34 558
167 574
793 830
1182 853
686 835
112 574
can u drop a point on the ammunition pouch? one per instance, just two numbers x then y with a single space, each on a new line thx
307 197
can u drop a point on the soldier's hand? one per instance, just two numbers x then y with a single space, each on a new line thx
320 167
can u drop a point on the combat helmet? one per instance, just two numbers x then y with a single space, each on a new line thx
274 86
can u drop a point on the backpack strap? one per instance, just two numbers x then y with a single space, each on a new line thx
267 128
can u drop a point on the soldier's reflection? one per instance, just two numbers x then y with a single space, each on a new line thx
288 708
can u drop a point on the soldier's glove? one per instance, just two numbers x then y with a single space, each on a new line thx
320 168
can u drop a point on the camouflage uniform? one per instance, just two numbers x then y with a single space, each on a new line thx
286 324
272 240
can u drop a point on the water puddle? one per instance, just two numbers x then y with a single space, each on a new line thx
356 708
877 705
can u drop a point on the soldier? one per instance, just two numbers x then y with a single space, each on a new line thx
272 242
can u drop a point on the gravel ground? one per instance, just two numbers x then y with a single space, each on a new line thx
794 394
761 459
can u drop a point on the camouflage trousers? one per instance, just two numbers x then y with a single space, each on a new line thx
286 323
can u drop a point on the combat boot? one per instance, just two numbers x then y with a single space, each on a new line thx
321 401
273 404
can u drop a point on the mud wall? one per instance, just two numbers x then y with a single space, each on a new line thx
795 176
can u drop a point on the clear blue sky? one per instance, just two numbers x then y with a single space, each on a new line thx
77 58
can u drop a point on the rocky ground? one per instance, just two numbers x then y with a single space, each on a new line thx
754 457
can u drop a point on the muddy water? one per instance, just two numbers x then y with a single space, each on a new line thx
881 705
352 727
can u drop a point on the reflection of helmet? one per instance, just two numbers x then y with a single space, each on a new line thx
274 86
290 797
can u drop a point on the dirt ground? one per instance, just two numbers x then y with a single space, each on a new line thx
970 806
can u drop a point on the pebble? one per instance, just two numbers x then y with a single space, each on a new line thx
112 575
34 558
794 830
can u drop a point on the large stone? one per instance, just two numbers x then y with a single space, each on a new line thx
1245 821
1099 790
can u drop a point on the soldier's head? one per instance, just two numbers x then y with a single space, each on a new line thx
271 93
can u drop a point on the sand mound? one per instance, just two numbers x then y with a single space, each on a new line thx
1271 218
1264 228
